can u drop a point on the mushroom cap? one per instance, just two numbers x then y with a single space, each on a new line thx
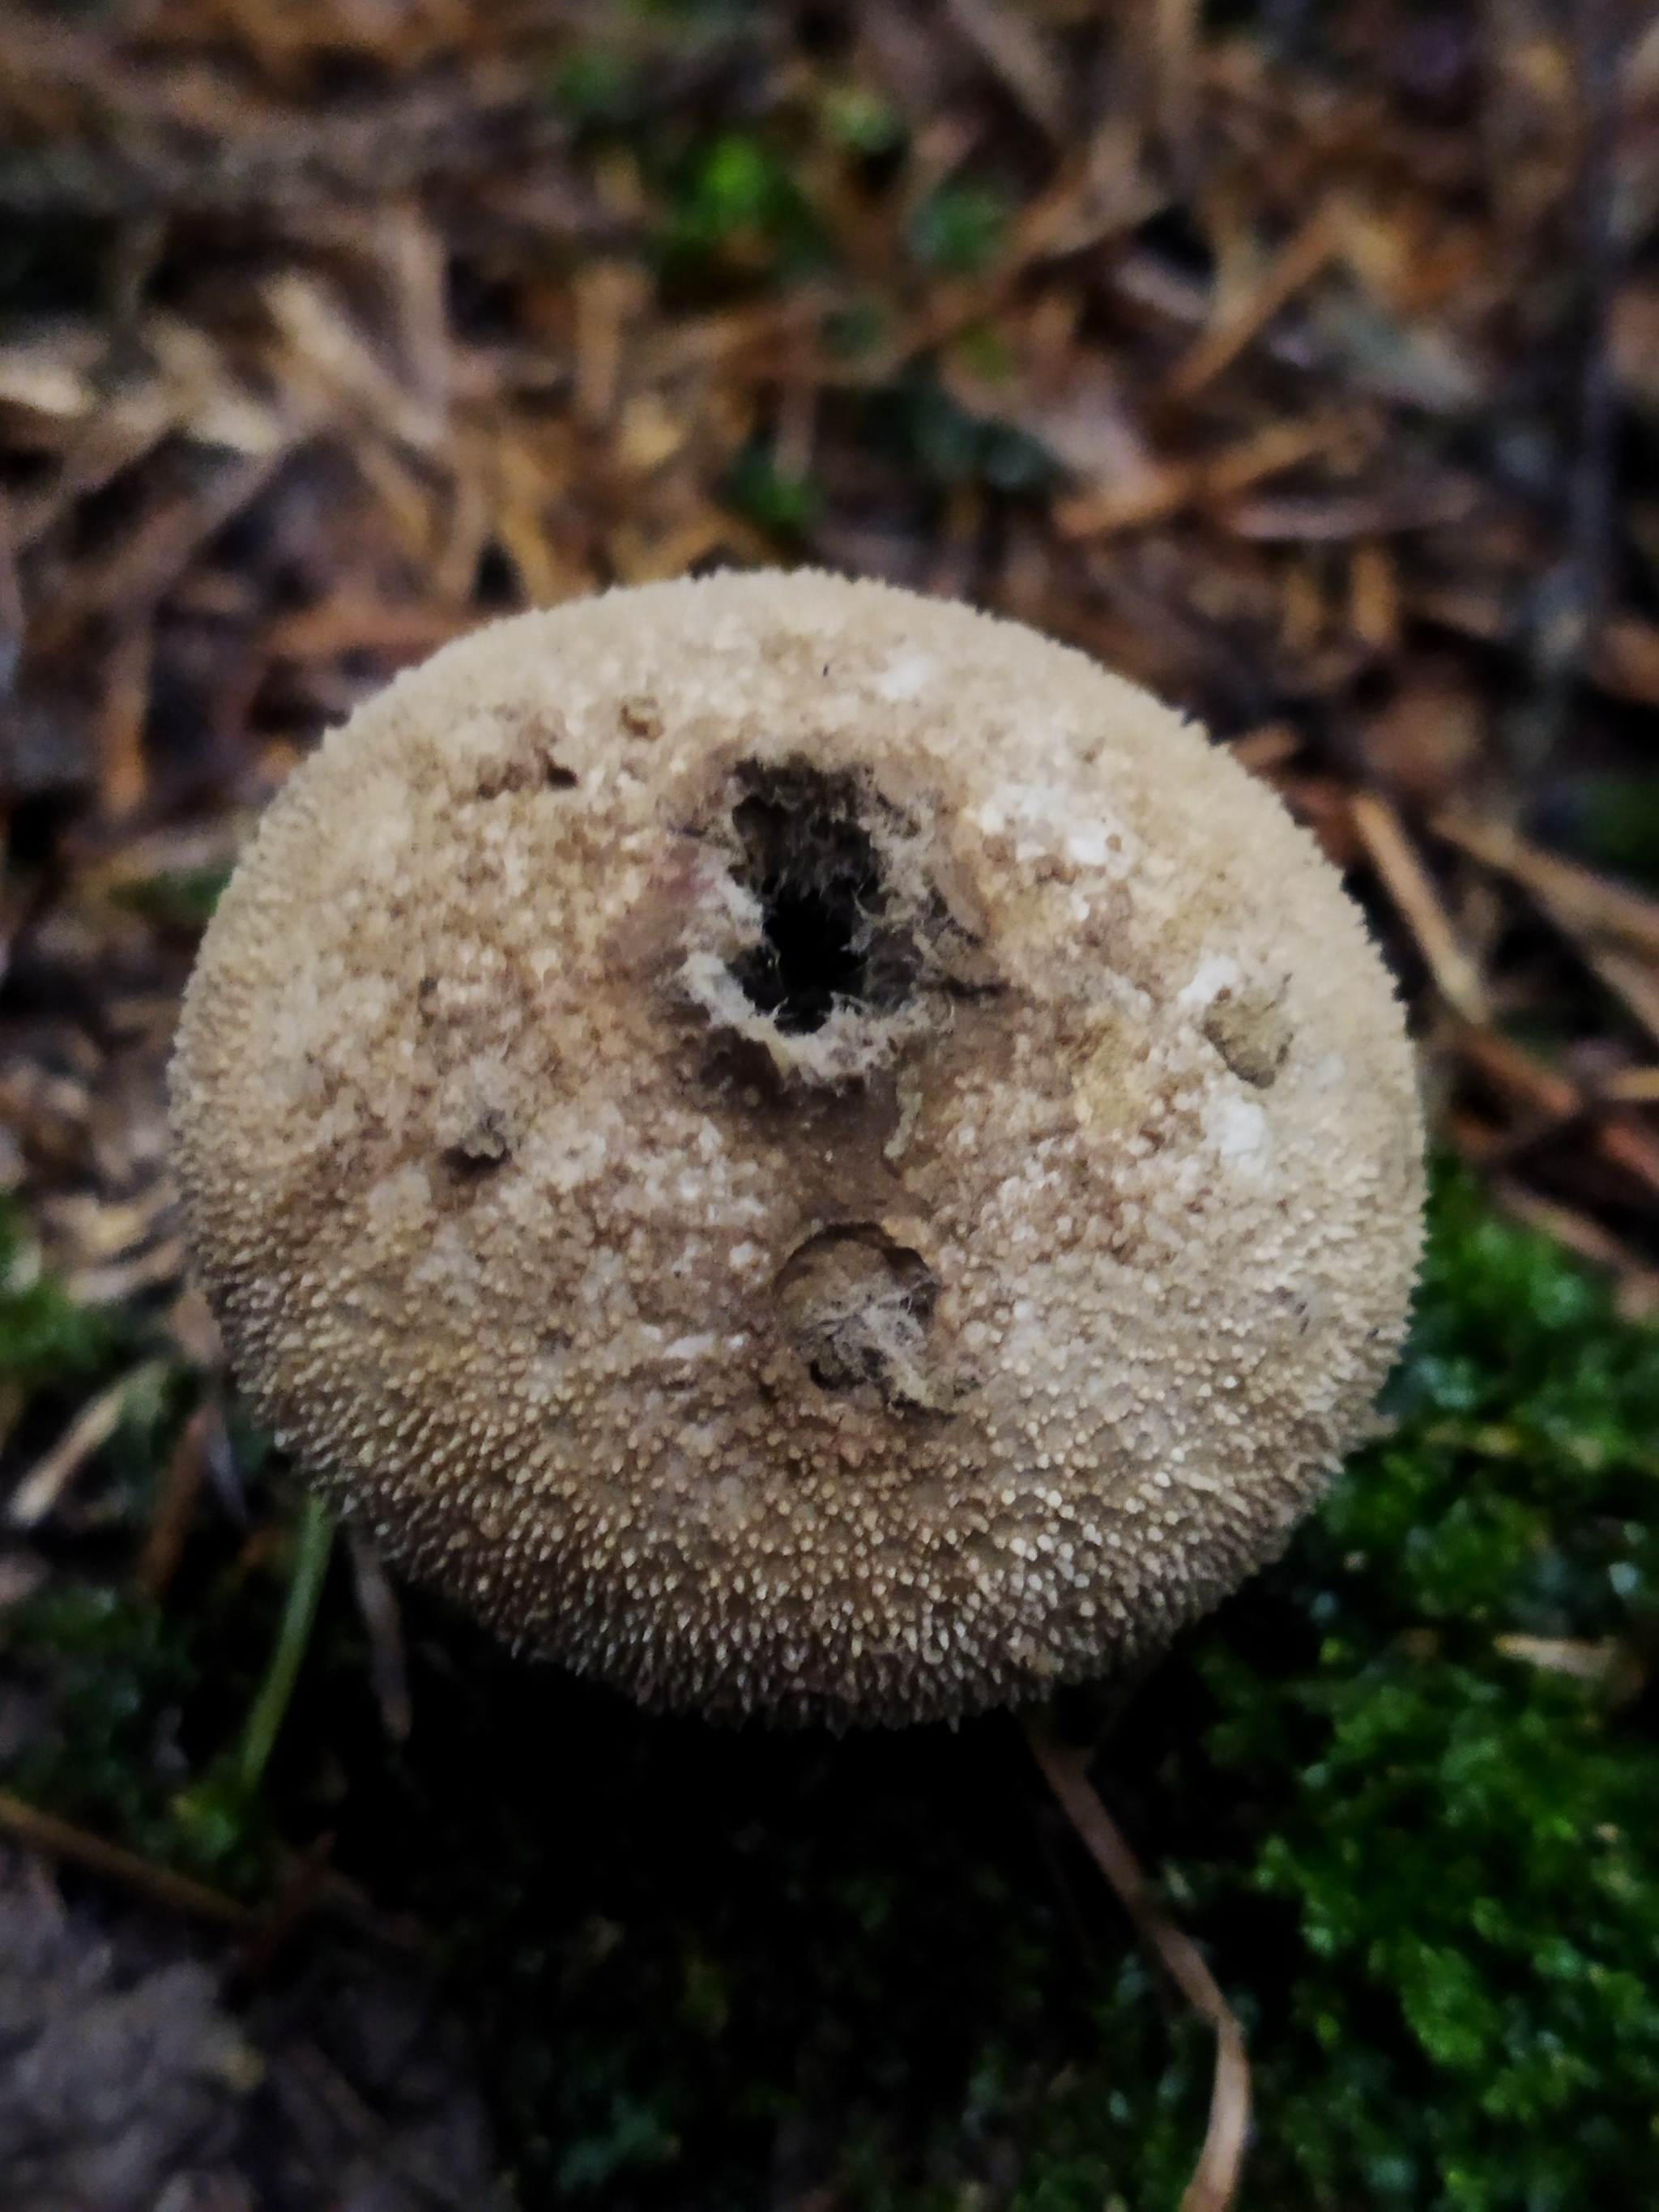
798 1148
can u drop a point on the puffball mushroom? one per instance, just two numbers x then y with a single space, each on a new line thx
799 1149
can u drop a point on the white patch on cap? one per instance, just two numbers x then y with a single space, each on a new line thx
1239 1130
690 1347
907 675
1088 847
1216 972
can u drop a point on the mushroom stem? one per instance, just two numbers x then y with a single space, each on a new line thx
1215 2180
305 1590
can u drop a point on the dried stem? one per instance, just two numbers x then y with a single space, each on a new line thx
57 1839
1214 2184
175 1505
388 1665
1409 884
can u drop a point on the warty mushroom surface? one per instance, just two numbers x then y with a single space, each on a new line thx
799 1149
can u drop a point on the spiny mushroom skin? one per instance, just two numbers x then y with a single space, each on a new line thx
799 1149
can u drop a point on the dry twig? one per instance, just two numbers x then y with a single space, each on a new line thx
42 1489
1214 2184
175 1503
1411 887
159 1886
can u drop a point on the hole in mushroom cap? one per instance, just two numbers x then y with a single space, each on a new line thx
817 872
482 1146
859 1307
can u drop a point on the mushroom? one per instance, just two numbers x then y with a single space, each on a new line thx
799 1149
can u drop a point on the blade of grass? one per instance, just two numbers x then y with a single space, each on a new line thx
305 1590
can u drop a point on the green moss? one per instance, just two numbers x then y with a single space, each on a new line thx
118 1672
1613 821
712 1967
181 900
45 1337
736 215
759 490
960 229
922 428
862 121
150 1712
1466 1839
594 86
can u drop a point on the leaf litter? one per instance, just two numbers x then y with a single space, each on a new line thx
1304 367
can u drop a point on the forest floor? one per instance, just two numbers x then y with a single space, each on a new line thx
1303 364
